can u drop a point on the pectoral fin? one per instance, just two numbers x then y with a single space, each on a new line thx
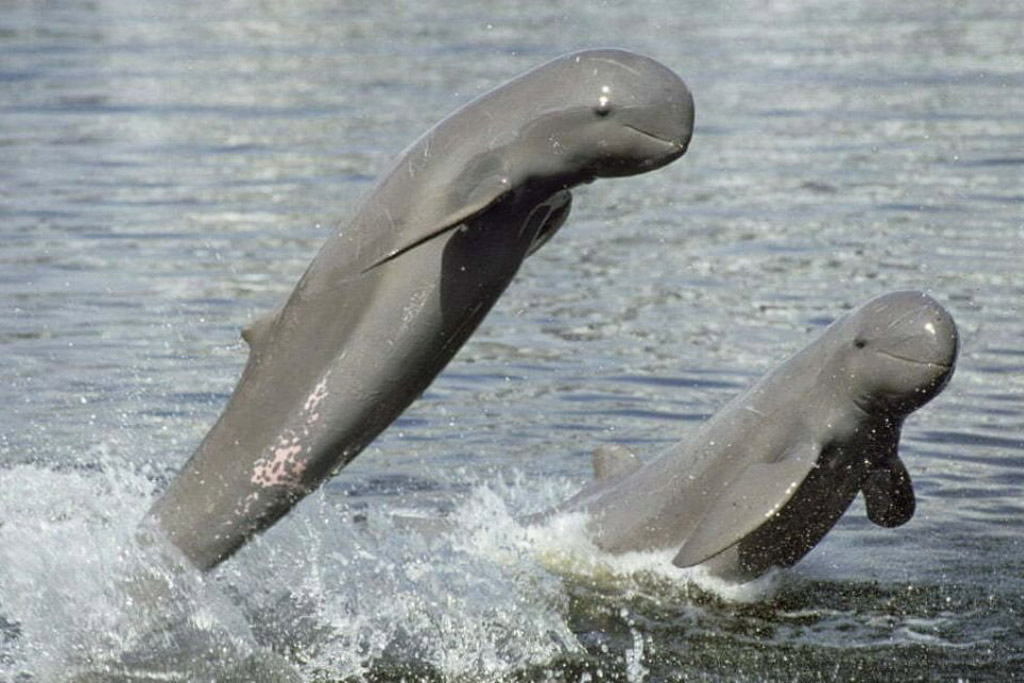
746 503
889 494
552 214
613 461
482 184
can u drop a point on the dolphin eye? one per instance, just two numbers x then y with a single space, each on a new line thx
860 343
604 106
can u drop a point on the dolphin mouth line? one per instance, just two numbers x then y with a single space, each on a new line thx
672 143
929 363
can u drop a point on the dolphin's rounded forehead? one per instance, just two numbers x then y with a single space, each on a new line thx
901 301
906 310
621 77
628 79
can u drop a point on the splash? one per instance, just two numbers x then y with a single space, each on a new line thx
320 596
341 589
461 599
563 545
82 600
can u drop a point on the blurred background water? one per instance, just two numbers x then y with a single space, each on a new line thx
168 170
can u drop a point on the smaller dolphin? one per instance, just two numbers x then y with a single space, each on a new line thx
760 484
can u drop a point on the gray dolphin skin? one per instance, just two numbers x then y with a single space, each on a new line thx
759 484
391 297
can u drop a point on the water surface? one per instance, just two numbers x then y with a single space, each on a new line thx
166 173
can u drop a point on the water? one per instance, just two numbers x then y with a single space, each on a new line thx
167 172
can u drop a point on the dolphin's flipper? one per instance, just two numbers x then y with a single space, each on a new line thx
747 502
481 185
427 236
889 494
613 461
552 214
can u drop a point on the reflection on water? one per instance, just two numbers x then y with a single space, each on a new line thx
167 172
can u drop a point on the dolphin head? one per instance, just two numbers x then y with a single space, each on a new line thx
617 114
897 352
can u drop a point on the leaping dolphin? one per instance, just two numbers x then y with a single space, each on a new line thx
392 296
760 484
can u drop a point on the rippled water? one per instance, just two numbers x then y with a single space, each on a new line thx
166 173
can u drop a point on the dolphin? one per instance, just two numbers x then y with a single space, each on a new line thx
391 297
760 483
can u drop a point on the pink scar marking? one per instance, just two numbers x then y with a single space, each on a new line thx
315 400
283 468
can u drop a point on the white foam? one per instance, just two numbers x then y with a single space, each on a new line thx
564 546
468 600
485 596
84 601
